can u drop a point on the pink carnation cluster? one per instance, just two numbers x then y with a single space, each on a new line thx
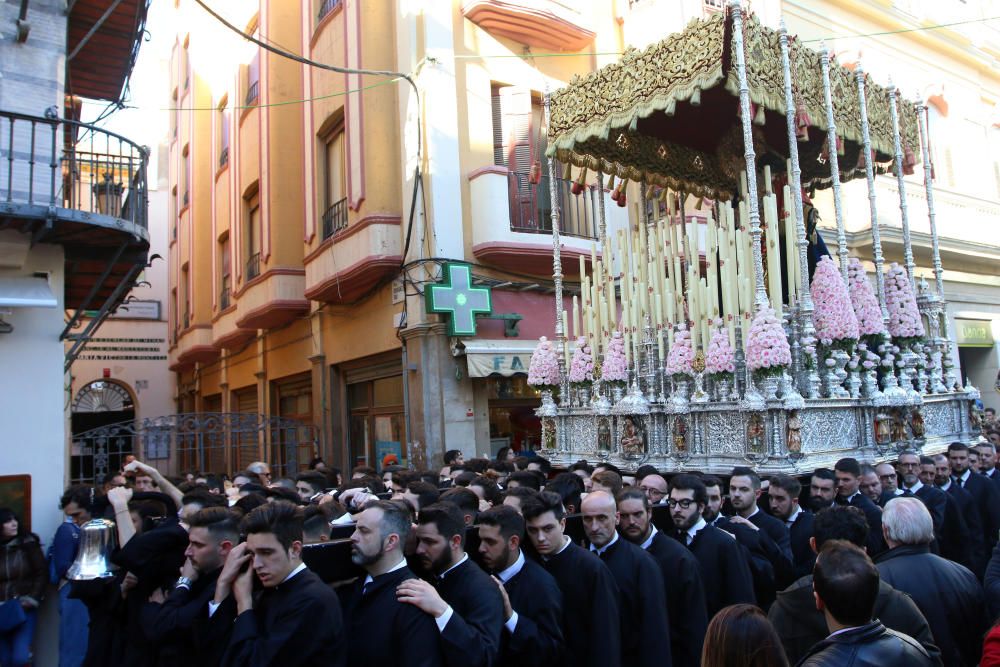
834 315
767 346
681 353
581 369
720 357
904 318
615 366
543 371
866 308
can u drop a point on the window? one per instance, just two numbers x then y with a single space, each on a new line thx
225 281
940 145
251 235
515 130
225 116
325 7
335 183
173 116
184 299
185 63
253 77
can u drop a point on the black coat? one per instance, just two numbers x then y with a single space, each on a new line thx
987 497
871 645
948 594
803 557
537 640
936 501
170 626
591 622
642 604
762 556
873 514
685 595
800 625
724 570
472 636
780 550
384 632
991 585
297 622
968 512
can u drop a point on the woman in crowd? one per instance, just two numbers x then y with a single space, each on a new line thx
741 636
23 576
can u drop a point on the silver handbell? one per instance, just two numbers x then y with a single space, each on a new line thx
93 559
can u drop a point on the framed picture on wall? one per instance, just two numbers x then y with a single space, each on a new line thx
15 493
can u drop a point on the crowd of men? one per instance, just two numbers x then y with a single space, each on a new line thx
509 562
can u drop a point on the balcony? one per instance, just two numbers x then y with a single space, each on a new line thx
224 293
84 188
335 219
326 7
543 24
512 220
350 263
253 266
253 92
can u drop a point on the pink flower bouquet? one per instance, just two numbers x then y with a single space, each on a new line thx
904 318
836 324
864 301
719 362
681 355
543 371
767 346
615 366
581 369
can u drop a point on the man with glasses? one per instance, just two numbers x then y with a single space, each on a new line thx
724 570
887 480
655 488
936 500
263 472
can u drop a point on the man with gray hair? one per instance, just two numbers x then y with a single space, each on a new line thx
947 593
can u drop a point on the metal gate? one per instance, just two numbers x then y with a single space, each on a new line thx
218 442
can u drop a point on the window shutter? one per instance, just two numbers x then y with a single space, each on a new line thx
499 157
518 147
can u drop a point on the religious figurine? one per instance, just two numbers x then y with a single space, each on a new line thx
631 440
755 434
898 425
604 435
917 424
793 437
549 434
680 435
883 428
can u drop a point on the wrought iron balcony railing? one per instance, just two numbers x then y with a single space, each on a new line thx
335 218
253 91
224 294
326 7
531 211
52 163
253 266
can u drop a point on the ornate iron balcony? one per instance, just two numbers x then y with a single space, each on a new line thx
335 218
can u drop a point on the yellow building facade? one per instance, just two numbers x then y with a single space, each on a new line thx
302 238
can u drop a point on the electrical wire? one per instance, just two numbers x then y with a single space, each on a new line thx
885 33
285 103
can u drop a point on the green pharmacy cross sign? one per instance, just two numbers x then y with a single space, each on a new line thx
455 296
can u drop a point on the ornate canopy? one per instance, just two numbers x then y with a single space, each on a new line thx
669 115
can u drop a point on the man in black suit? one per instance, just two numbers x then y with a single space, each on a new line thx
870 485
532 601
822 489
465 603
985 494
783 494
683 589
174 623
848 472
744 490
988 460
908 467
383 630
591 622
724 570
642 602
296 619
962 539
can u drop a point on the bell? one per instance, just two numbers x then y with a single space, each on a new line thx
93 559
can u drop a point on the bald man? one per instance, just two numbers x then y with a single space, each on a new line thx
645 629
655 488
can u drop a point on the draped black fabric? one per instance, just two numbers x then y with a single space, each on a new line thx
537 640
685 596
472 636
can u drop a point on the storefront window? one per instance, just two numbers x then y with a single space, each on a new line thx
512 404
376 423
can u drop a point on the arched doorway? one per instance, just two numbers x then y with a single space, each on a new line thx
99 403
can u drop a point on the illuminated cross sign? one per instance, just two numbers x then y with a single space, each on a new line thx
455 296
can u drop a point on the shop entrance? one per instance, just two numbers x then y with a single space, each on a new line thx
512 404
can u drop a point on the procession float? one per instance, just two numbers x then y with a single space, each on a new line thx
716 330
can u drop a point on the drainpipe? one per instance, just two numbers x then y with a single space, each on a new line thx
23 27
